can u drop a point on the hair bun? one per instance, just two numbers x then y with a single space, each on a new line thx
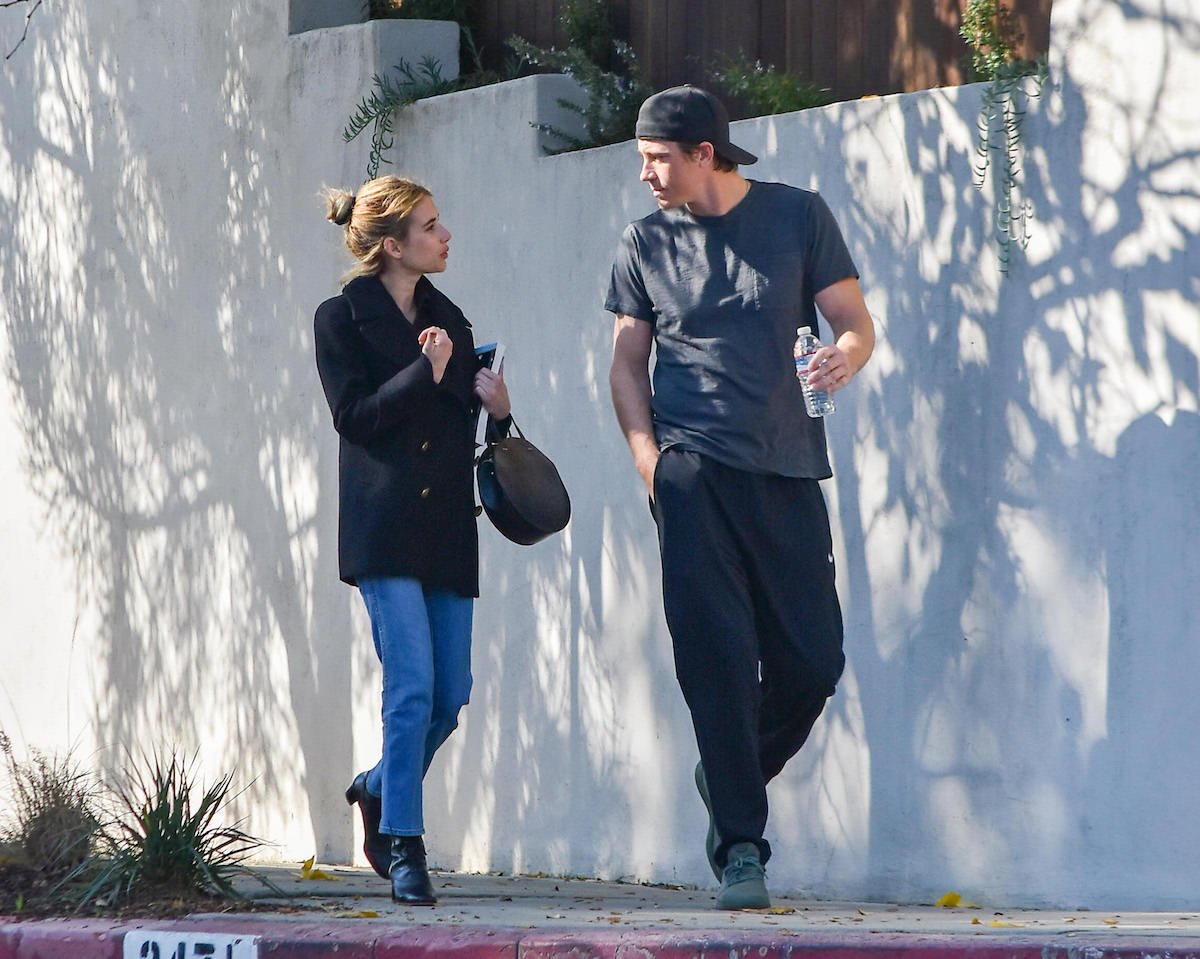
341 206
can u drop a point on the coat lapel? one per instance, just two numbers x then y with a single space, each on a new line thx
388 332
380 320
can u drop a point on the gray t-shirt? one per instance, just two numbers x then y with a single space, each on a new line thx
725 295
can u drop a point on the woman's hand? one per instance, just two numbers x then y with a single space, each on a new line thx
493 393
436 345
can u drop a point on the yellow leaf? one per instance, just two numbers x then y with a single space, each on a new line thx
1111 922
953 900
997 924
364 914
975 921
781 910
308 871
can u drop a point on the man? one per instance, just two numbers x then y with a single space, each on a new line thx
718 280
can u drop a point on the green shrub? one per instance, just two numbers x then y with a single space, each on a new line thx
69 843
613 99
767 91
588 28
989 29
379 108
54 818
606 69
167 838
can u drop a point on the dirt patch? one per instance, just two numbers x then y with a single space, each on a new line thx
25 894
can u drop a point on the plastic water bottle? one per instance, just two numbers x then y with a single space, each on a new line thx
816 402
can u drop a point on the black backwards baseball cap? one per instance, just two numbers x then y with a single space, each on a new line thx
688 114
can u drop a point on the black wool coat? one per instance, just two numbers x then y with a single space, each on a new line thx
406 498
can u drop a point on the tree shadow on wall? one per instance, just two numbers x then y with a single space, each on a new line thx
177 466
575 742
981 424
1148 512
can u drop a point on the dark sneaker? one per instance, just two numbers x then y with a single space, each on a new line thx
712 840
743 883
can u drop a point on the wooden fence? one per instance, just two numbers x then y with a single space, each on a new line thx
854 47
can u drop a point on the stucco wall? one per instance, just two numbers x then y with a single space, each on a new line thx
1014 505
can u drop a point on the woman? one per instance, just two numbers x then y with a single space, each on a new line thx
397 362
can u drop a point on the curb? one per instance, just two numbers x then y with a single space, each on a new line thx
301 939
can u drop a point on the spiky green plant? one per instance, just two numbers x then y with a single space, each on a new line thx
168 837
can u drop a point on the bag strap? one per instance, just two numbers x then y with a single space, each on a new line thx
482 445
483 421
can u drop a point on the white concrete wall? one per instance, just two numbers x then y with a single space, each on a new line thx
1015 504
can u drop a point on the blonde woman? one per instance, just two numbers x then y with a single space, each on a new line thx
397 362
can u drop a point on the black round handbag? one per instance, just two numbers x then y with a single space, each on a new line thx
521 491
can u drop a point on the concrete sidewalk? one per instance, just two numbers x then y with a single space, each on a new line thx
350 915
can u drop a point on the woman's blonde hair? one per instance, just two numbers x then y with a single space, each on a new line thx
380 209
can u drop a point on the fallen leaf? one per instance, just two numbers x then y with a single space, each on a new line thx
1111 922
953 900
997 924
309 871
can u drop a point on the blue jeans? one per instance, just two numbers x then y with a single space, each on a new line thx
423 638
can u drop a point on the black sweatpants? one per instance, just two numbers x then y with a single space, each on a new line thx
748 589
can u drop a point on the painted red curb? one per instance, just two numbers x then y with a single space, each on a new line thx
588 944
366 939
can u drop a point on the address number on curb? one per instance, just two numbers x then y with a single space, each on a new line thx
153 944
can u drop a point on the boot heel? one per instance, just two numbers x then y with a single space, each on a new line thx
357 790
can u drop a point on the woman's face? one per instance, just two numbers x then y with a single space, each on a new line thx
426 246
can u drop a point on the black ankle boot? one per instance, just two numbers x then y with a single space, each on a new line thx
410 875
378 848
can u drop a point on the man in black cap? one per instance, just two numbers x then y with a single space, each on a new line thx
718 279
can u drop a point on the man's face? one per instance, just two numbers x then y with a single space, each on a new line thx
672 175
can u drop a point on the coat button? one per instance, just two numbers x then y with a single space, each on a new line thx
425 447
425 493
